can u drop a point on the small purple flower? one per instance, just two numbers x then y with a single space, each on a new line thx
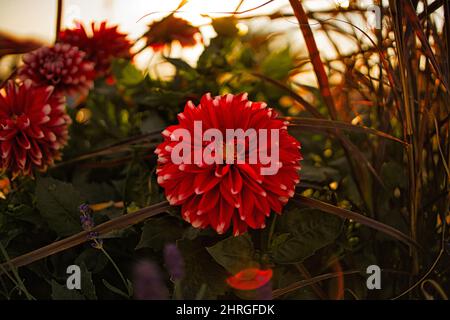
93 235
88 224
174 261
148 283
85 209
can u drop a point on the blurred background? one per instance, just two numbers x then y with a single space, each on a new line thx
27 19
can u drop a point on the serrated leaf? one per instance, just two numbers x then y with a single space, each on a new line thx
234 253
310 230
58 204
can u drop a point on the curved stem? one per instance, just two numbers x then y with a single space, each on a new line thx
125 282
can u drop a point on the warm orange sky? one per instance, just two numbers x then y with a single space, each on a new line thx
36 18
31 18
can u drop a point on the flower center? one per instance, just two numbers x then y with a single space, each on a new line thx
229 149
53 63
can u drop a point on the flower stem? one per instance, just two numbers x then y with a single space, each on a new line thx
271 231
177 294
18 281
58 19
125 282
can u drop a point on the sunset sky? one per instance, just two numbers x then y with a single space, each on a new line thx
28 18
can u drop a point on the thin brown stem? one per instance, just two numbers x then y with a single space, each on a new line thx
59 10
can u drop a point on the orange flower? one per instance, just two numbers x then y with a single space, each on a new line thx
250 279
4 187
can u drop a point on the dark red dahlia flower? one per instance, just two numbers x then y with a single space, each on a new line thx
62 66
162 33
237 184
33 127
104 45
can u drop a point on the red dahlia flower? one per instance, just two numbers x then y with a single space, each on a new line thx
62 66
221 194
104 45
33 127
162 33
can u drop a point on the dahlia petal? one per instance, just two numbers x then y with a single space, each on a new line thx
225 191
185 190
255 187
236 185
239 226
274 203
20 157
199 220
249 171
221 170
225 215
7 134
6 149
23 141
209 200
262 204
247 204
205 182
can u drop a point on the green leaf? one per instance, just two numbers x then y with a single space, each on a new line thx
87 286
58 204
94 260
114 289
60 292
318 174
179 64
25 213
200 270
309 230
160 231
279 240
234 253
126 73
278 65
